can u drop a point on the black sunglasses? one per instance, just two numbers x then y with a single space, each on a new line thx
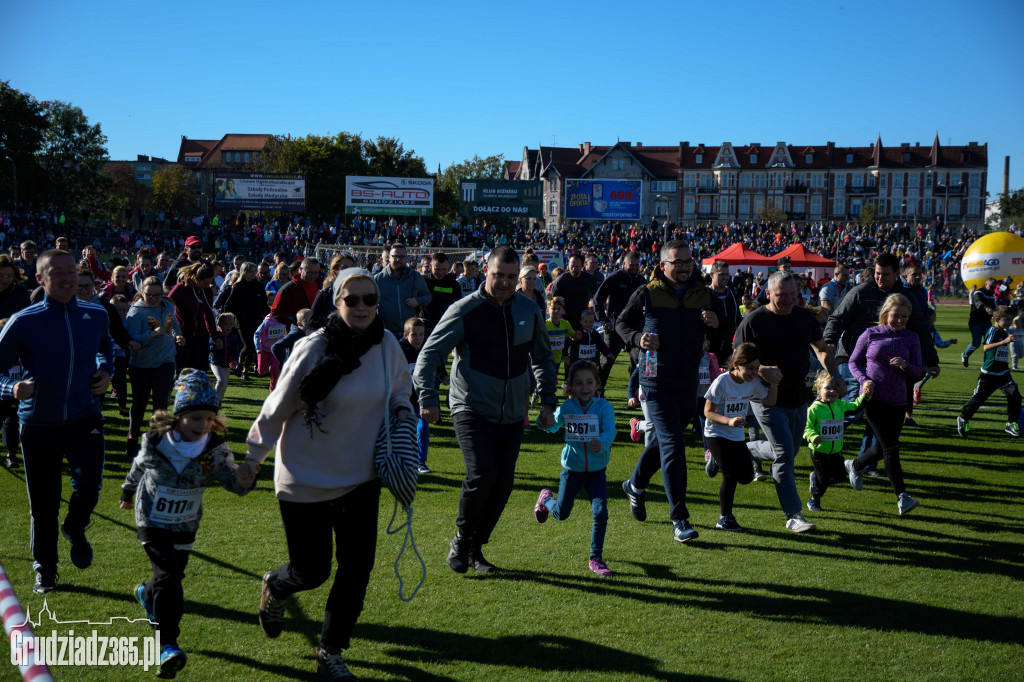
352 300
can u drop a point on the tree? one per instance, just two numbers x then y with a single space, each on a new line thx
386 156
72 155
171 190
1011 208
868 215
120 193
22 124
771 214
325 161
446 184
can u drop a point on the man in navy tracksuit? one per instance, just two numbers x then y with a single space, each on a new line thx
64 348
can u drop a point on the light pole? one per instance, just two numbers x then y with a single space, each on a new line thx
664 224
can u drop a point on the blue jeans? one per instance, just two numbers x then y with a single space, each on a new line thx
596 485
783 427
978 330
670 411
423 438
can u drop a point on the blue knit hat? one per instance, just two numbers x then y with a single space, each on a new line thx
195 392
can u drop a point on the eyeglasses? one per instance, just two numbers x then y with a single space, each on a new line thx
86 287
352 300
680 263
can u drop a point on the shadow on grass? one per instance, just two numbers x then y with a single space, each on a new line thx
792 603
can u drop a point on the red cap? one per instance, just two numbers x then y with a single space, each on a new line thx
193 241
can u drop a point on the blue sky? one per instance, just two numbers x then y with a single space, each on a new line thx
456 79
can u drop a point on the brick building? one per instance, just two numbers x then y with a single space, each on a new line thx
204 157
724 183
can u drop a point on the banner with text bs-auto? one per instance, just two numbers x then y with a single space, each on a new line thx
602 199
259 191
389 196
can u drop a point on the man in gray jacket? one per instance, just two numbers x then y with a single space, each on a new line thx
402 290
497 336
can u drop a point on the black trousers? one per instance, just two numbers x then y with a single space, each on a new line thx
310 529
164 592
886 420
733 460
615 344
247 357
490 452
195 354
11 427
829 469
989 384
148 381
45 448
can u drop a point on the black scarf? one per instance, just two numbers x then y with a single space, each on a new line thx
342 356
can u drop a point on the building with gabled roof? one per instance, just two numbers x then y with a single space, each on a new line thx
203 157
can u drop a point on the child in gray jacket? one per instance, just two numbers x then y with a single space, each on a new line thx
182 456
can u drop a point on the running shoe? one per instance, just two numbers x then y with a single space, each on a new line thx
856 477
635 434
637 506
172 659
962 427
710 468
1012 429
600 567
423 469
963 360
905 503
140 590
682 531
728 523
540 512
813 505
81 550
271 610
329 665
798 524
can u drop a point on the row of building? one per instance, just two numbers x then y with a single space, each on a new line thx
726 182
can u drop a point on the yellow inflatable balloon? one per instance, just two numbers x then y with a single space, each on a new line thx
997 255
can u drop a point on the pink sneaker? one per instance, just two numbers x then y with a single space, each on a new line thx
540 512
634 432
600 567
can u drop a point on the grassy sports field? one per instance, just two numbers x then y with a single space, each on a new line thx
934 595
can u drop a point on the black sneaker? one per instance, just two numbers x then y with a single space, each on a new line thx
479 563
682 531
909 421
636 501
81 550
458 554
271 610
330 666
13 463
962 426
963 361
46 581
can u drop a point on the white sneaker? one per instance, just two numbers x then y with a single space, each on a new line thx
905 503
798 524
856 477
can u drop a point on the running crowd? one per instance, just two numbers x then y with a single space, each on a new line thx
757 366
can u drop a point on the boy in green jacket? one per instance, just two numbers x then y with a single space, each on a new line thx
824 435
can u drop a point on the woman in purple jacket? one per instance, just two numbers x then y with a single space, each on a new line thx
886 355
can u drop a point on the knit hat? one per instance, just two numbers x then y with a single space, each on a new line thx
344 276
195 392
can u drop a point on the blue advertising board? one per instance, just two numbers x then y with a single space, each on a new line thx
603 199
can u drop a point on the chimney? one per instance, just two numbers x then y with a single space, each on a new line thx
586 148
1006 176
639 144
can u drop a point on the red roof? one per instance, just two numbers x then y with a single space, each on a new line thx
209 151
800 257
739 254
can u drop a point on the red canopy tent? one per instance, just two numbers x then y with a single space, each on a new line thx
802 259
739 257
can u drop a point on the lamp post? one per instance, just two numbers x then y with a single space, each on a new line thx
664 224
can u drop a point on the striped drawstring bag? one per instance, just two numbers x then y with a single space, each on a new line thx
397 459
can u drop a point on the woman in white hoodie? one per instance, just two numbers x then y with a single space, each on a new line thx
324 417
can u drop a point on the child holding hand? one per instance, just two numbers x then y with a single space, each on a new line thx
826 418
182 456
589 423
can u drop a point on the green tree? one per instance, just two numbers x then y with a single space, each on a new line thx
121 195
1011 208
386 156
22 124
324 159
171 190
72 155
771 214
868 215
446 183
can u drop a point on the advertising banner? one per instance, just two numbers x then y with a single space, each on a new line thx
389 196
501 198
259 191
603 199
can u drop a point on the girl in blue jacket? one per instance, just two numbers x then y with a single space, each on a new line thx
589 423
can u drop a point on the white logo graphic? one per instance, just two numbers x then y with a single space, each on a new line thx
92 649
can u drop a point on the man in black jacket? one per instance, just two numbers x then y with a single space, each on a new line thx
610 299
721 289
671 315
983 304
576 286
444 290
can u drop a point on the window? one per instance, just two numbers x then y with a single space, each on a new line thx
143 176
815 207
753 158
745 205
817 180
732 206
247 157
927 180
552 208
839 207
663 186
705 205
689 179
688 205
758 203
975 180
897 181
849 158
744 181
915 179
884 178
618 164
699 158
972 207
840 182
660 208
798 205
809 158
906 157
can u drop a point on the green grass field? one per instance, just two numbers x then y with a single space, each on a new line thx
870 595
